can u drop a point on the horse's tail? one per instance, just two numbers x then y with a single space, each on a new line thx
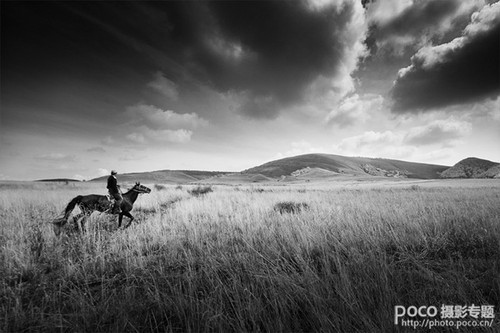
71 205
59 222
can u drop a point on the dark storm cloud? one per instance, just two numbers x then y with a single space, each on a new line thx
292 44
418 18
266 50
462 71
271 50
416 24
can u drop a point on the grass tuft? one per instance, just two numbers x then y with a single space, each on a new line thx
200 190
289 207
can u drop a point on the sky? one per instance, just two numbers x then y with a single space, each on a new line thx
87 87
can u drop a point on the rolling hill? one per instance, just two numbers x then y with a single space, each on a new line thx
348 165
319 167
473 168
59 180
165 176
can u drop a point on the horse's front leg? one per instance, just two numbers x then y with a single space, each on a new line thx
127 214
120 218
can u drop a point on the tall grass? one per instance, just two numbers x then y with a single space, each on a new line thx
229 261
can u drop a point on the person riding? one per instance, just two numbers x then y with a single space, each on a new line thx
114 191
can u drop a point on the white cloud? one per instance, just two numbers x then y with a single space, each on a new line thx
414 142
145 134
355 109
369 139
326 91
429 56
434 156
102 172
438 132
149 123
164 86
96 150
230 50
400 22
79 177
375 144
382 11
156 118
136 137
56 157
483 20
108 141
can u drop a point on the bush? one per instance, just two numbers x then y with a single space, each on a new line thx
289 207
200 190
415 188
159 187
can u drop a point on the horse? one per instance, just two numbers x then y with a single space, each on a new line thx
100 203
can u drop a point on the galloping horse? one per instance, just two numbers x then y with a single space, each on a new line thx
101 203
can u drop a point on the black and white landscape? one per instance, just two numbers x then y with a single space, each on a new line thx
287 166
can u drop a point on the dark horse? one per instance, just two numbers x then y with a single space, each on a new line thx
101 203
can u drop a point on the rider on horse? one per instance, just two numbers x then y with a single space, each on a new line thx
114 191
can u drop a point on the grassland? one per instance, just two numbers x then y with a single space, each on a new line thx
227 260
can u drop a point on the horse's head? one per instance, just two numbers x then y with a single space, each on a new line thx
140 188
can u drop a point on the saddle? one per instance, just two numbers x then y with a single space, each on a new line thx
111 201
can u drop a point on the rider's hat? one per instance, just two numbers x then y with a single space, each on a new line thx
113 172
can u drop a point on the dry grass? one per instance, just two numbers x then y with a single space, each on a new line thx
228 261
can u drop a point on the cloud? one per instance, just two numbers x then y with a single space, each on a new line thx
439 131
461 71
108 141
148 123
436 155
399 24
369 138
386 144
273 52
96 150
102 172
132 157
56 157
156 118
355 109
164 86
443 134
79 177
145 135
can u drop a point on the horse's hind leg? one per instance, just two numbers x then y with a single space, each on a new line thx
80 220
81 223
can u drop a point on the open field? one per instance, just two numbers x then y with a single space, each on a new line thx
230 260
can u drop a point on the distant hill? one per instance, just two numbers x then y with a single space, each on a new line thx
317 167
164 176
59 180
238 178
473 168
348 165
